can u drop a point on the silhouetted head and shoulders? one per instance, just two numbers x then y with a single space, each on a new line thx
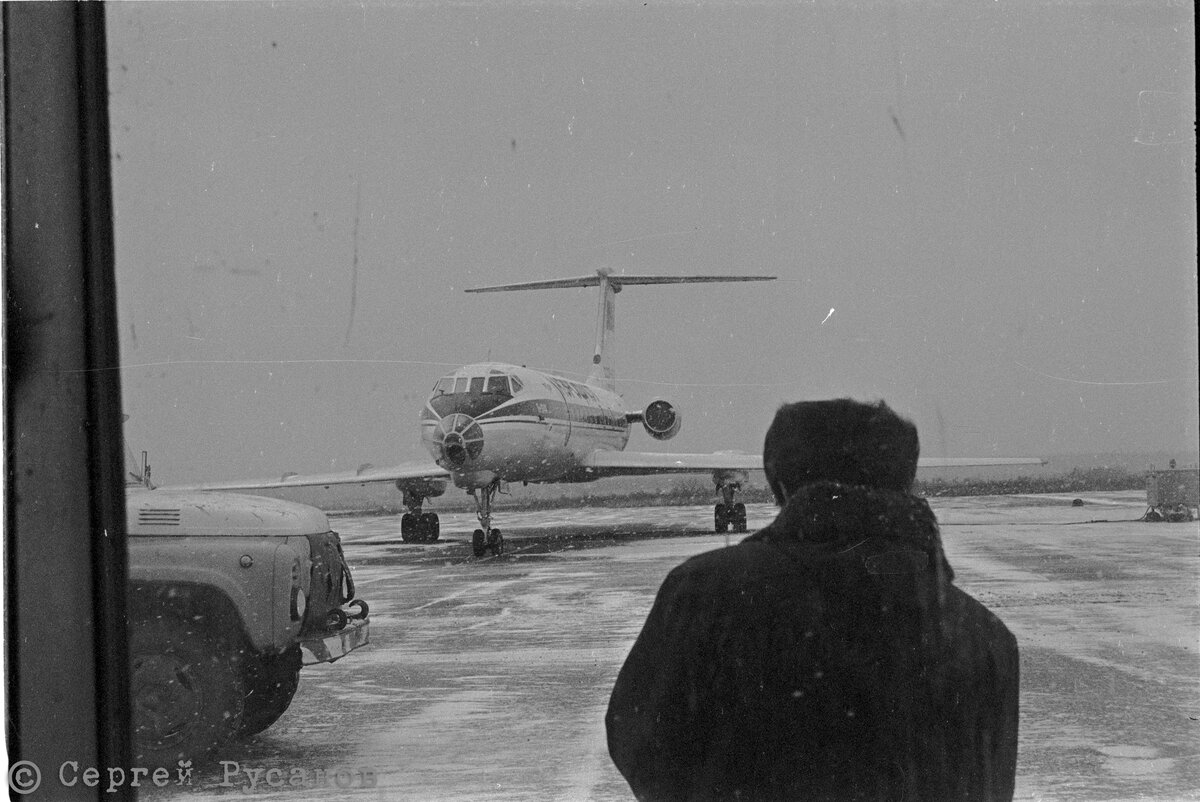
828 655
842 472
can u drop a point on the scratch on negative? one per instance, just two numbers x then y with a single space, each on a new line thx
354 261
1101 384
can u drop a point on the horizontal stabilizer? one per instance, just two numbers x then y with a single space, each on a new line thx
684 279
614 280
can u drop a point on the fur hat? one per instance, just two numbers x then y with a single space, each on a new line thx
842 441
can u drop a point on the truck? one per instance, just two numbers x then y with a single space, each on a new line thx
229 597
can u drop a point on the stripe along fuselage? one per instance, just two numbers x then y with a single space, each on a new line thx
492 421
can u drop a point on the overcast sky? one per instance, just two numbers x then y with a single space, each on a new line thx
982 213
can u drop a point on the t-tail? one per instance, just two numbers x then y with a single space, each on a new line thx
603 370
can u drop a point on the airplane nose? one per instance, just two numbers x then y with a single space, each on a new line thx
461 439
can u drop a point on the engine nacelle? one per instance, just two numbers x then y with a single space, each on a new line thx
661 419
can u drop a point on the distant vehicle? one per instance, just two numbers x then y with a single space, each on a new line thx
489 424
1172 495
229 596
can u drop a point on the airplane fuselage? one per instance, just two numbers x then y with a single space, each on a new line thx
492 421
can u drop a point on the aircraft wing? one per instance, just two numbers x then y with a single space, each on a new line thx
412 473
639 463
635 463
969 462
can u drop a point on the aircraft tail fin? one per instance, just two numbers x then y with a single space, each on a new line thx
603 373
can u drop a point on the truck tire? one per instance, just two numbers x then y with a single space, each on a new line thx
271 682
187 692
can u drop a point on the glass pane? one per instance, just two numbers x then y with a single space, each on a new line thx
304 190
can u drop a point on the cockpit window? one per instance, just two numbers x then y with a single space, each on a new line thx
516 384
492 384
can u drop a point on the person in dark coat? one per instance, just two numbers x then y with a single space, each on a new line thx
827 656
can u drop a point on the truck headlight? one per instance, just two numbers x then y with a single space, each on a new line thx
299 604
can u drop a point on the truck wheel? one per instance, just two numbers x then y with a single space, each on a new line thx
271 682
186 691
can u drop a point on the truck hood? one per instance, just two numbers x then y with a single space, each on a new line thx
155 513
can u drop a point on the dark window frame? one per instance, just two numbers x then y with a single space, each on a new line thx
64 454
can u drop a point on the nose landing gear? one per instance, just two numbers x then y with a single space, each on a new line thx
486 538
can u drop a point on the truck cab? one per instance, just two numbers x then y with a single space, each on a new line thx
229 597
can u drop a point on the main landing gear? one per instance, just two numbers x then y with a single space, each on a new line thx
728 514
417 526
486 539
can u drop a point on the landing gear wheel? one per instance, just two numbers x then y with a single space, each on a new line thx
739 517
720 519
482 543
431 527
187 693
419 527
271 682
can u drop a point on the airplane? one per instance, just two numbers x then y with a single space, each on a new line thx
490 424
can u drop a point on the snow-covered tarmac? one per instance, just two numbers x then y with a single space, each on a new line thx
488 679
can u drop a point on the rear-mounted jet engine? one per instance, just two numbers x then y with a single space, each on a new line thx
660 419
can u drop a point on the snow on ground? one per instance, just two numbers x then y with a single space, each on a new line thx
488 679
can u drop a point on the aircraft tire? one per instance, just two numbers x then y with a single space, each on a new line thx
720 519
408 527
478 543
496 542
432 527
739 517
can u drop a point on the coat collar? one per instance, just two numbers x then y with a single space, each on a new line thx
832 517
